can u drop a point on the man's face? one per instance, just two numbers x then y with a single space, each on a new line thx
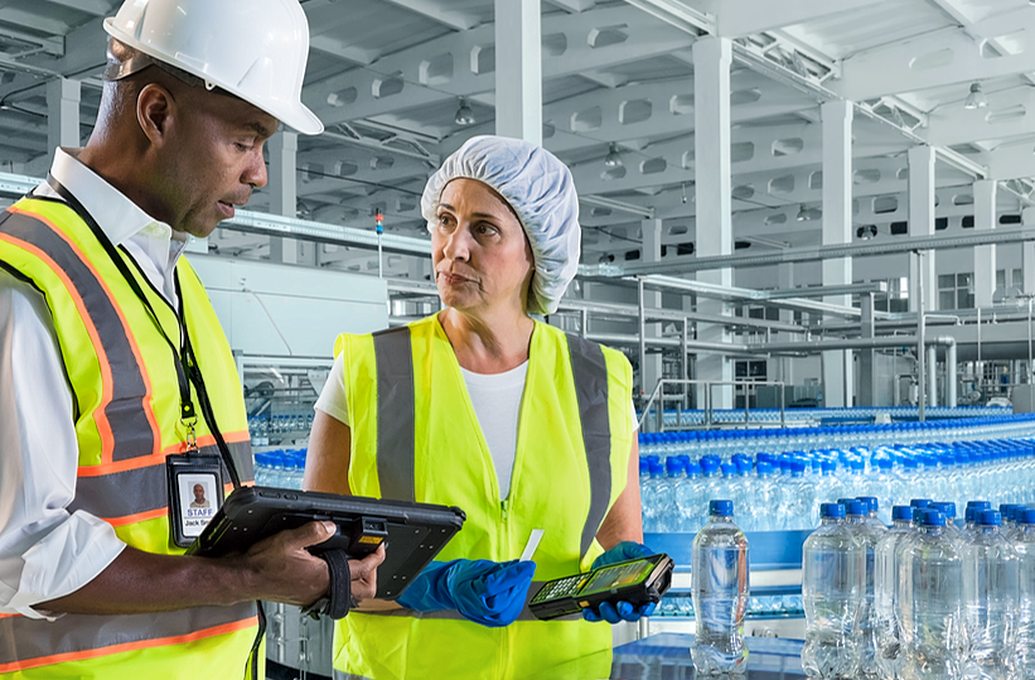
214 160
199 493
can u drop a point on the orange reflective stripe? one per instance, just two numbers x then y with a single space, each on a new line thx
241 437
92 653
124 421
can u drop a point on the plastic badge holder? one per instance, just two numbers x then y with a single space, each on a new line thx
412 532
638 582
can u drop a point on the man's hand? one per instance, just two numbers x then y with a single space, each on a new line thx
278 568
364 574
283 570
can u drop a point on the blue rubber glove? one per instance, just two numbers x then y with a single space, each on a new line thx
490 593
622 611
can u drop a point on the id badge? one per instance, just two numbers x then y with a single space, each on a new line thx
195 487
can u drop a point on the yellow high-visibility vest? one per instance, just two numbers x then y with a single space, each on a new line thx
127 420
415 436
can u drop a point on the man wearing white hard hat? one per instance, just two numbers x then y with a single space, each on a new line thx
116 379
484 407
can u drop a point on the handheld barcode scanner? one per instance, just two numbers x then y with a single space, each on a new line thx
638 582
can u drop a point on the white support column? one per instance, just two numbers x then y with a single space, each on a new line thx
782 368
519 70
837 119
1028 253
984 256
283 189
652 370
921 222
714 224
63 97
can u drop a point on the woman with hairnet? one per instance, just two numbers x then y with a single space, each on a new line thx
484 407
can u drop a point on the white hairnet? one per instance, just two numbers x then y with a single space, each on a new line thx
540 189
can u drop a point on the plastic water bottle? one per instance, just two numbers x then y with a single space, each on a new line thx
930 606
889 639
833 588
990 590
873 520
867 535
1024 544
974 509
720 593
948 509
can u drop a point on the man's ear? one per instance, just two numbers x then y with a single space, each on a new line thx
156 109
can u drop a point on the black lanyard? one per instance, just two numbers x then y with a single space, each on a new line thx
183 357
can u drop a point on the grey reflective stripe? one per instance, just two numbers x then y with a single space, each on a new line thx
395 416
31 642
453 615
241 452
590 373
131 492
131 430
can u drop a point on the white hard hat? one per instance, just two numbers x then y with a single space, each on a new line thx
540 189
254 49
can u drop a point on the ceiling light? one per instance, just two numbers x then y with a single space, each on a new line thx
976 98
464 114
613 158
803 213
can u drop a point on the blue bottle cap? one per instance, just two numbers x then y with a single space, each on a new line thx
902 512
872 504
832 510
920 502
990 518
1028 516
1006 508
845 501
855 508
720 508
981 505
947 508
932 518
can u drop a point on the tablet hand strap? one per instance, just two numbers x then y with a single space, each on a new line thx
338 601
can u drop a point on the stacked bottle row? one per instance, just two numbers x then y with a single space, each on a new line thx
926 599
783 492
725 443
690 418
265 427
281 468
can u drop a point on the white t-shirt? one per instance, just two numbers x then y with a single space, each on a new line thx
496 398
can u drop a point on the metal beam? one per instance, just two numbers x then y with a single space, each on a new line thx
450 66
745 17
458 21
732 293
820 291
98 8
682 265
941 58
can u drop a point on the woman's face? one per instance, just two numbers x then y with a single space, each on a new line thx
479 249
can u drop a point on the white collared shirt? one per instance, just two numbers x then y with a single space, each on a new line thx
45 551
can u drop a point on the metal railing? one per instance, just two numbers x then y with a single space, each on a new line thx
658 395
